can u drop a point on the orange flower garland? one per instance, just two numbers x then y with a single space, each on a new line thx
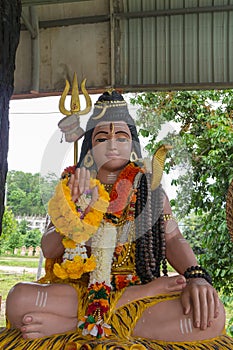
79 227
122 192
123 281
68 221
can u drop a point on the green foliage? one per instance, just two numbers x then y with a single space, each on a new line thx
9 228
28 194
15 235
23 227
32 238
230 327
14 240
190 228
202 140
47 187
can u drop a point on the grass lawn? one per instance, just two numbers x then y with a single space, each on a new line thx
7 281
19 261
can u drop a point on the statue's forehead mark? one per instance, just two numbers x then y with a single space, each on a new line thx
112 128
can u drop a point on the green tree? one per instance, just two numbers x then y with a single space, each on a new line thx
25 194
14 240
32 238
29 194
10 236
203 147
23 227
47 187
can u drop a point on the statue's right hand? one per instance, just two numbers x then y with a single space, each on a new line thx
79 183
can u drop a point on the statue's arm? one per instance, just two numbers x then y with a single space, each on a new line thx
51 243
178 251
198 295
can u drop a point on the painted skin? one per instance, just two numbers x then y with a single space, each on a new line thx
199 302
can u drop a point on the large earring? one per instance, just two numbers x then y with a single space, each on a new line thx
88 160
133 156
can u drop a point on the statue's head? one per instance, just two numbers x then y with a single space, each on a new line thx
110 118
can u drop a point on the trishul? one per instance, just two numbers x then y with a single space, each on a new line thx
70 125
74 103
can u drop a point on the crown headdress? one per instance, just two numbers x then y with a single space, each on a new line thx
110 99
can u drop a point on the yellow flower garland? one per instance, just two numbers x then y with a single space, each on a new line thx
67 219
74 269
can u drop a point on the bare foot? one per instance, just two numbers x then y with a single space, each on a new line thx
161 285
38 325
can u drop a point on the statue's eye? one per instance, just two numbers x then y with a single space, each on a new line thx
101 139
122 139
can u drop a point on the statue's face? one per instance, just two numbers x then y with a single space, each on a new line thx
112 144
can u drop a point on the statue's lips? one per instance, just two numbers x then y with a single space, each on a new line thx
112 155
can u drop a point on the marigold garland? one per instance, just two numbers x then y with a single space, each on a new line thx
123 281
78 226
70 222
75 268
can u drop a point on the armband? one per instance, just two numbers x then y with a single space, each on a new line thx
167 217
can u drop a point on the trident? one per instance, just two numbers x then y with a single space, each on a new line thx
71 123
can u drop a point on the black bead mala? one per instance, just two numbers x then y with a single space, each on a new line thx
197 272
150 234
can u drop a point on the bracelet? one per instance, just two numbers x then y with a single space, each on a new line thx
197 272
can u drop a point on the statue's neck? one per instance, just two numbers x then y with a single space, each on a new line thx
107 177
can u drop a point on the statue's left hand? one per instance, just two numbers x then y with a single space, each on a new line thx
202 299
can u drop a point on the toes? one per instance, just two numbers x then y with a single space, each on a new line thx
30 328
176 283
27 319
31 331
180 279
35 318
32 335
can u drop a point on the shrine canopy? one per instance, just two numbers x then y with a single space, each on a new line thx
130 45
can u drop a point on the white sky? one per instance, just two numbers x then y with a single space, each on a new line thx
34 136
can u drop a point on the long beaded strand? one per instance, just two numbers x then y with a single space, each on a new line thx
155 230
163 242
152 261
140 258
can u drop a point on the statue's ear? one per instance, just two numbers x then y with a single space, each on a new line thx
158 165
229 209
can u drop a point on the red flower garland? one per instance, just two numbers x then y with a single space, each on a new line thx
122 192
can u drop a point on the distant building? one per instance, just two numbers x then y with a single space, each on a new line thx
33 221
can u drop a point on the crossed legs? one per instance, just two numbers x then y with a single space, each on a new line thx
166 321
41 310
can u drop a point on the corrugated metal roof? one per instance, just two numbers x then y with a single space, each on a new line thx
135 45
177 43
47 2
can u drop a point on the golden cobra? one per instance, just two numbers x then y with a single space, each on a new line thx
158 165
